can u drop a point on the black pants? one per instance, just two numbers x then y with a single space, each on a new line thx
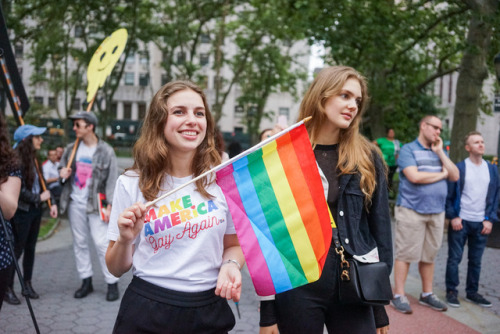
26 226
390 176
307 309
147 308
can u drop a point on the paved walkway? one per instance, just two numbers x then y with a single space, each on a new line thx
55 279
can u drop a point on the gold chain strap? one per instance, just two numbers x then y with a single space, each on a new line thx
344 265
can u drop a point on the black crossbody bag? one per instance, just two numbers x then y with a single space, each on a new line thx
361 283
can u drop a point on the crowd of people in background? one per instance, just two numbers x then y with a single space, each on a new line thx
179 141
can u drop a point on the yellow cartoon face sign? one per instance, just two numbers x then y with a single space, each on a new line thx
104 59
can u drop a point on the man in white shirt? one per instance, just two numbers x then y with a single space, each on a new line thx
471 206
51 174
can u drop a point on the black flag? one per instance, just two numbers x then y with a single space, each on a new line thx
9 74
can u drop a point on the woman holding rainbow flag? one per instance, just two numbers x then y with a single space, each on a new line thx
184 252
356 190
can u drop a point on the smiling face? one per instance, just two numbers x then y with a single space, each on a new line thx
37 142
82 129
186 124
341 109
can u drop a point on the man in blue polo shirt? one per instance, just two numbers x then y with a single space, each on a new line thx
424 168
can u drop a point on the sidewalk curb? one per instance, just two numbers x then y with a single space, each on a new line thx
52 230
471 315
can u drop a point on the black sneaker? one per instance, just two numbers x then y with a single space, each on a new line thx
452 299
478 299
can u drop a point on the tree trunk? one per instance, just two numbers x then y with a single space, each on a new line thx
473 71
374 123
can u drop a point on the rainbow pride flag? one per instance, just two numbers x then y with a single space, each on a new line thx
278 206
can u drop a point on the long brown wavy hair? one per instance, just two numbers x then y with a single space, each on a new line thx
151 151
355 151
27 154
8 158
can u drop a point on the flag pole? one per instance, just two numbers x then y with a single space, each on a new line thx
230 161
18 113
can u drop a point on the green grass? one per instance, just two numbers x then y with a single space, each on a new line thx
46 226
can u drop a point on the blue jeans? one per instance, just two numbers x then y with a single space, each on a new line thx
471 233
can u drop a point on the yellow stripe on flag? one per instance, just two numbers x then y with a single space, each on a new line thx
288 205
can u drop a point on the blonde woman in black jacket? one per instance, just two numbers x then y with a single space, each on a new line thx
357 197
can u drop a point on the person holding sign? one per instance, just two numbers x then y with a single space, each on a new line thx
184 252
92 174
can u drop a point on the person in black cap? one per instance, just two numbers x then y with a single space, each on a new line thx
27 219
90 181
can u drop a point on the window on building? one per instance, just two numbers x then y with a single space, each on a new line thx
144 59
143 79
130 58
284 111
129 78
39 100
78 31
205 38
52 102
181 57
204 58
127 111
114 109
77 104
142 111
238 109
18 50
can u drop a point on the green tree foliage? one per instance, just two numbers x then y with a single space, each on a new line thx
62 38
401 47
473 71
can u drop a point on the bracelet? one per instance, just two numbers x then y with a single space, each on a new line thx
232 261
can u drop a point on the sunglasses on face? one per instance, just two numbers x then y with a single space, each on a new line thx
78 125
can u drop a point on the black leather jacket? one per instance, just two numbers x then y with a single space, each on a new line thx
27 198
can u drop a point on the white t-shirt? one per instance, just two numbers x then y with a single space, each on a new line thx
50 171
181 244
473 200
80 189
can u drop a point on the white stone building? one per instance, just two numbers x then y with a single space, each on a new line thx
143 76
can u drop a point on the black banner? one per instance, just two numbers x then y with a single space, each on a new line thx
9 74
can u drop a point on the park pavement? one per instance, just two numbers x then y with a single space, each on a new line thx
55 279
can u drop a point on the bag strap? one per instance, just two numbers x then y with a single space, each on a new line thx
339 249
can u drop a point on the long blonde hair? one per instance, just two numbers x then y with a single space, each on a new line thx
151 151
355 151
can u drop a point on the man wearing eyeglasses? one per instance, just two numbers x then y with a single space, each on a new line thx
420 205
92 176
